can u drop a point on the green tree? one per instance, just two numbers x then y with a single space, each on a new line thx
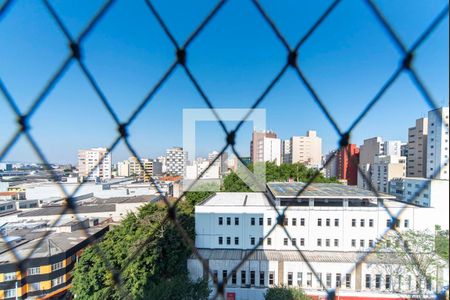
179 287
285 293
442 242
156 246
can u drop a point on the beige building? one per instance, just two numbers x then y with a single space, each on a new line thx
260 143
123 168
144 168
91 166
306 149
417 149
368 151
385 168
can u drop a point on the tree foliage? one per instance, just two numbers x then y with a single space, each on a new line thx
285 293
442 242
160 256
179 287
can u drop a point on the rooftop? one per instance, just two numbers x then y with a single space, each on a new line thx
59 209
321 190
236 199
131 199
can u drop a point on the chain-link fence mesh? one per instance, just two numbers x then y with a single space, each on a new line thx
181 50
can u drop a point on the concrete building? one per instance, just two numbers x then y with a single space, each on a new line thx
194 170
404 150
123 168
221 161
176 159
347 164
333 225
265 147
437 144
421 191
392 148
370 149
331 169
6 167
144 168
385 168
286 151
91 166
307 149
417 149
49 268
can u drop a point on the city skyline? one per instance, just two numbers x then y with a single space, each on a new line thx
125 73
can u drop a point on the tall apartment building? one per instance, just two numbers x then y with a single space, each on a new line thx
176 159
334 226
286 151
221 161
417 149
123 168
306 149
347 164
392 148
437 144
385 168
91 166
265 146
331 169
370 149
144 168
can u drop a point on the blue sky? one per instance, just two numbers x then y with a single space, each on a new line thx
346 60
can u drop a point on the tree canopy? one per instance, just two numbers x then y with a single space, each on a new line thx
285 293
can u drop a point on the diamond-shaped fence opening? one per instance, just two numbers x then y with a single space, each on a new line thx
181 51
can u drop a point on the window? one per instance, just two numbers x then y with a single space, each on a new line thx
224 275
243 279
406 223
252 277
370 222
59 280
338 280
285 221
336 222
233 277
215 276
348 280
269 241
261 278
362 222
300 279
236 240
252 221
328 280
34 271
289 281
269 221
261 221
252 241
10 276
327 222
285 241
370 243
294 222
353 243
220 240
236 221
302 222
319 222
327 242
271 277
260 241
10 293
228 240
302 242
220 221
57 266
388 223
353 222
319 242
294 242
34 286
361 243
228 221
368 281
388 282
336 242
309 279
377 281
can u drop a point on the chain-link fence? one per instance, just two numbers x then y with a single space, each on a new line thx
181 50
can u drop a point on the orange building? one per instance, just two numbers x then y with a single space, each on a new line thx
347 164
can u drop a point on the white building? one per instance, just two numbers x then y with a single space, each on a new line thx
194 170
331 169
370 149
333 225
306 149
91 166
266 147
286 151
176 159
385 168
437 144
392 148
123 168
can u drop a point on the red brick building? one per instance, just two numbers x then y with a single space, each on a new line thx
347 164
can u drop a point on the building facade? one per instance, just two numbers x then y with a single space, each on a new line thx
347 164
176 159
417 149
437 144
94 163
144 168
385 168
370 149
265 147
307 149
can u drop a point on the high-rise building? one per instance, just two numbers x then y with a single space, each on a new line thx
94 163
370 149
144 168
286 151
385 168
306 149
176 159
392 148
265 146
417 149
437 144
331 169
221 161
404 150
347 164
123 168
